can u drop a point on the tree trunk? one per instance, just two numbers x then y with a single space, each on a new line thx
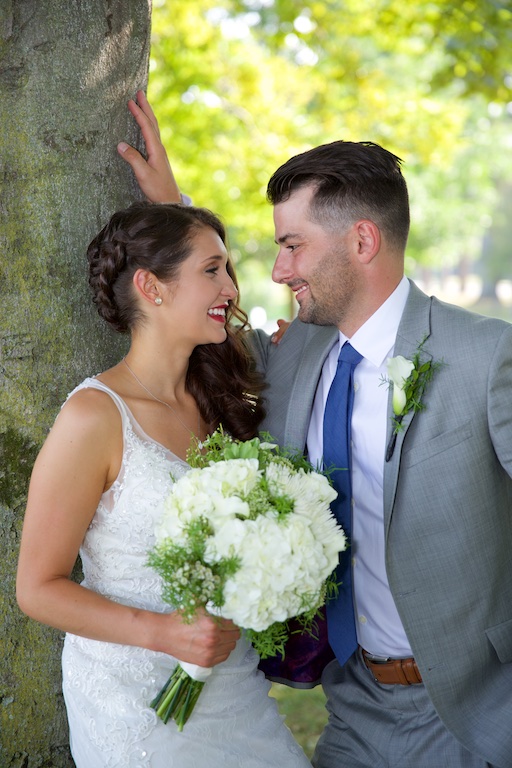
67 70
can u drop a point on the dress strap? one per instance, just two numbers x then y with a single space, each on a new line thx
129 421
94 383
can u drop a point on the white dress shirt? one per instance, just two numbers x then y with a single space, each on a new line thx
378 625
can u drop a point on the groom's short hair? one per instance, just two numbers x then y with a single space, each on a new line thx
352 181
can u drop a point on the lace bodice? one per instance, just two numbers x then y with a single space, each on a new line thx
115 549
107 687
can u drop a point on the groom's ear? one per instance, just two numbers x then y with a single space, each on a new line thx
368 240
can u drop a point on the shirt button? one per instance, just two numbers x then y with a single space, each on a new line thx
356 386
362 619
353 561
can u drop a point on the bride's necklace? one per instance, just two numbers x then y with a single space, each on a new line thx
162 402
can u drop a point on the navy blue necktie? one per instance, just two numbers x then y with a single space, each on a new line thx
337 439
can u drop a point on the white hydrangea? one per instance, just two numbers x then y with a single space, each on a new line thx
234 476
281 559
226 541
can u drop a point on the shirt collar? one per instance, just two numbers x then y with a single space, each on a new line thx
375 339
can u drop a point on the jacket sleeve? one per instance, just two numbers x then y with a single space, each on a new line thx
260 345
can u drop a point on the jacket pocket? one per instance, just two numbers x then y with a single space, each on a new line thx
438 444
500 637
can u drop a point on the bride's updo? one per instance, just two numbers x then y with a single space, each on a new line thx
159 237
151 236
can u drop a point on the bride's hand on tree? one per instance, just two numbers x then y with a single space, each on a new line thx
154 174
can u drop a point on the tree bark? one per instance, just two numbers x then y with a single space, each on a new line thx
67 70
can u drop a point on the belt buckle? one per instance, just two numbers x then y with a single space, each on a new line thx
406 671
371 661
376 659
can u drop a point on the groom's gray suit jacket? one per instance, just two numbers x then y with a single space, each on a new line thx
447 504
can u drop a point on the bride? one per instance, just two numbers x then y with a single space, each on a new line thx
162 274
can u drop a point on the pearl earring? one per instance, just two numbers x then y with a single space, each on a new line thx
158 300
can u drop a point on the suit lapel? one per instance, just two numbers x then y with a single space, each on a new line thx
304 387
414 328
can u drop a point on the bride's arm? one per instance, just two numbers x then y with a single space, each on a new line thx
80 458
154 175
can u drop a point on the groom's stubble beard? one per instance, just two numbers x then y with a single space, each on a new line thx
332 288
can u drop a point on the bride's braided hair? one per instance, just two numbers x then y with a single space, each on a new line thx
159 238
107 261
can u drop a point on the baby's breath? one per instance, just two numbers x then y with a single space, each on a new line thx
188 582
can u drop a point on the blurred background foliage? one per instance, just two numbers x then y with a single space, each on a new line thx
239 86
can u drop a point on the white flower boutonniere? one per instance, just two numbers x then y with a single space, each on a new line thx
399 370
408 379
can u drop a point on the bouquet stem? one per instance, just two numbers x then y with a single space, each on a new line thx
178 697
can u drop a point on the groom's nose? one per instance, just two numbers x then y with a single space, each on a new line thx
282 272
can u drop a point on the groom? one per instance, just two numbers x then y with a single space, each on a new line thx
428 681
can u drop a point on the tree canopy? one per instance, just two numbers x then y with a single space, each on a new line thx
241 85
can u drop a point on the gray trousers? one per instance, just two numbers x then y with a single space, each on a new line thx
383 726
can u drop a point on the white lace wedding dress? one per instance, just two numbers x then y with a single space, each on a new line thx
108 687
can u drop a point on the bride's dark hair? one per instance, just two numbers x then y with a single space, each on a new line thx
159 238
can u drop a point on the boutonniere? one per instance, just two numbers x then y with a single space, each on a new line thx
408 378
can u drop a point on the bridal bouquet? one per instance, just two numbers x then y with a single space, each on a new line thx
247 533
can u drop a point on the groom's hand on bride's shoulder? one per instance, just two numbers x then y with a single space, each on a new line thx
282 326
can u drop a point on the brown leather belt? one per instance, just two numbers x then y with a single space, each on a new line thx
393 671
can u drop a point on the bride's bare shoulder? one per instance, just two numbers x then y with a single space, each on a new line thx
89 409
